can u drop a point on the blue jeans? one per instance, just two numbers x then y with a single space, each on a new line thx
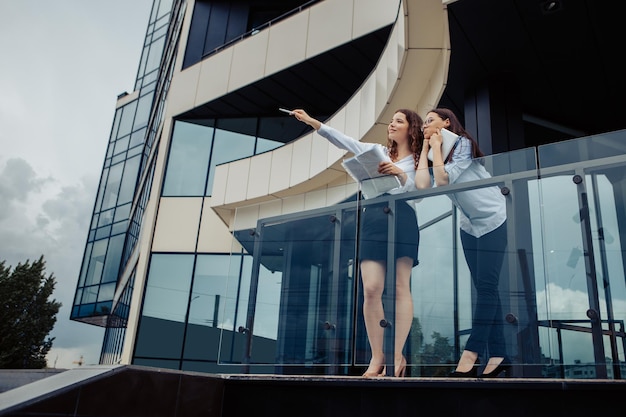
484 256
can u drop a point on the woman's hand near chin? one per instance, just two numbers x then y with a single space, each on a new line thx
436 139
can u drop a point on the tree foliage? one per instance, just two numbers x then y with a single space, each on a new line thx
429 359
27 315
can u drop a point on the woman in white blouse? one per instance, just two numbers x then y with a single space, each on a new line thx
404 141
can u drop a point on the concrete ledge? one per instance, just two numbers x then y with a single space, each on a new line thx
13 378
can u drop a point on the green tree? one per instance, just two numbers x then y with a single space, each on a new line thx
26 315
440 351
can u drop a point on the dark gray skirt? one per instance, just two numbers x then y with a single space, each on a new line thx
373 232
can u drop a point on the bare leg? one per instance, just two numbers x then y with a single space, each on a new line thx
373 276
493 364
404 310
467 361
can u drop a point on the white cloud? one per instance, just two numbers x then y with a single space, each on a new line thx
63 65
52 223
558 303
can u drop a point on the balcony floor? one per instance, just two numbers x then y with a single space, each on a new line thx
140 391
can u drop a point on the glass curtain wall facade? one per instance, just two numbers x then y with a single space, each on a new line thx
128 149
196 148
106 283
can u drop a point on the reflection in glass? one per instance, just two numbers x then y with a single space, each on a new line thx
106 218
143 111
594 147
106 292
137 138
162 324
112 187
83 268
112 263
103 179
228 146
127 188
167 289
188 160
154 55
126 122
121 145
90 294
209 287
566 289
264 145
301 290
96 263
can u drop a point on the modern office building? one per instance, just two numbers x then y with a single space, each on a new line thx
225 233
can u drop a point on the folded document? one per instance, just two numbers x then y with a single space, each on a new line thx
449 140
364 169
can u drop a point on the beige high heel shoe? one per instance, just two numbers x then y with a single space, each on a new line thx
374 373
400 370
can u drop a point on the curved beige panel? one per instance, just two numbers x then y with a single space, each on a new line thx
319 28
287 43
411 73
328 21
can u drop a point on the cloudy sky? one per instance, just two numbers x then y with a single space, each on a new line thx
62 65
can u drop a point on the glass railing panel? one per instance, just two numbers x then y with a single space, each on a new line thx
435 315
441 285
582 189
234 344
603 146
297 298
562 301
606 200
535 349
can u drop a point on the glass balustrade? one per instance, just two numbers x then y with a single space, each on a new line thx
294 302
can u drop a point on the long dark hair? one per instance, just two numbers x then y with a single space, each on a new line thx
457 128
415 134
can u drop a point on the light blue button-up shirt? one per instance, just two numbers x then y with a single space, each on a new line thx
482 210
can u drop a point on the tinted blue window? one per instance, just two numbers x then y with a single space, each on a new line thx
207 298
112 189
96 264
165 306
126 123
114 254
228 146
188 160
127 188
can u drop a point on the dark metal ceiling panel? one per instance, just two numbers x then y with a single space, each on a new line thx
564 55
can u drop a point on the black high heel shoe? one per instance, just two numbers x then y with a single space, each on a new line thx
472 373
503 366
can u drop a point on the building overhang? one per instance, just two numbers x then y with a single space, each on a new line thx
411 72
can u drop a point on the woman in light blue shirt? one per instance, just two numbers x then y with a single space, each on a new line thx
483 236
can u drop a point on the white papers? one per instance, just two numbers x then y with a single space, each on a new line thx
364 169
449 139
